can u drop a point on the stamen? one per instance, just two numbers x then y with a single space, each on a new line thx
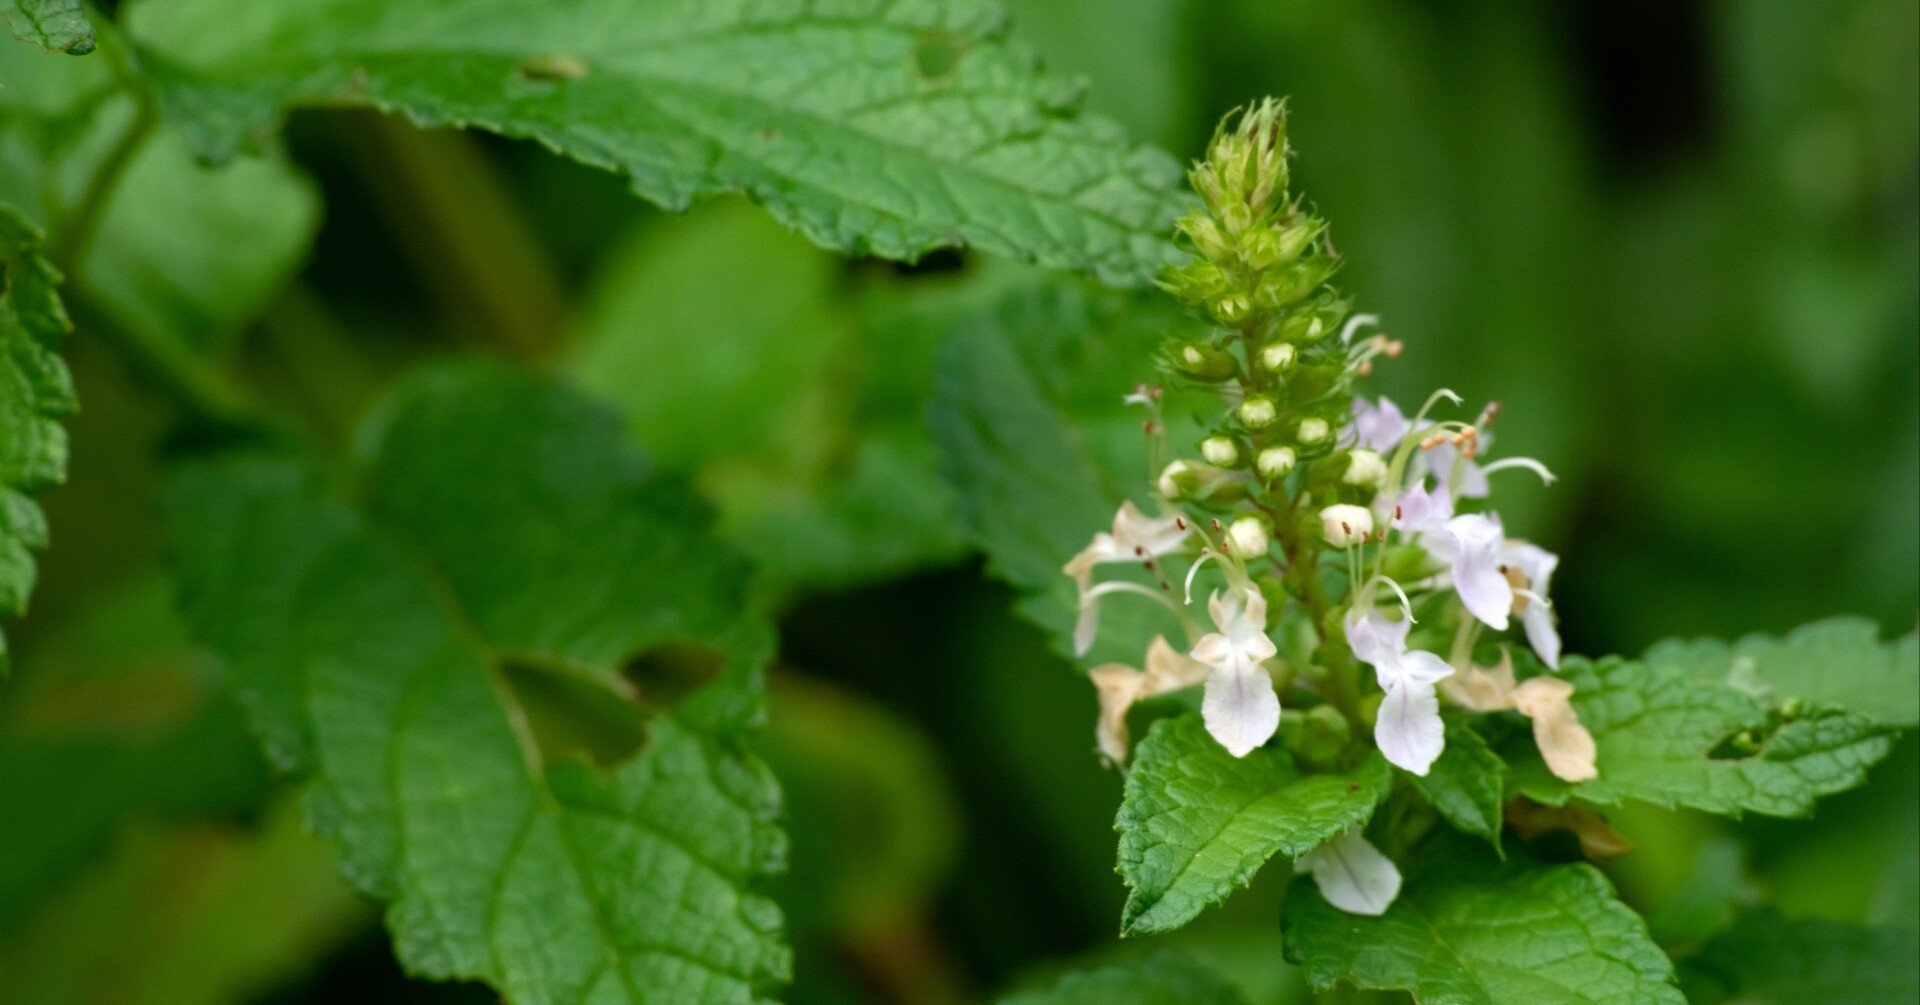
1546 477
1354 323
1206 555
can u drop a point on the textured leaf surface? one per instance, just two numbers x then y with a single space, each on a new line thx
1666 737
1196 822
874 126
36 392
54 25
506 532
1467 784
1034 439
1470 930
183 252
1765 959
1839 662
1164 978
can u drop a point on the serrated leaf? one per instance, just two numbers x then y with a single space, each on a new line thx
1840 662
53 25
1668 738
1196 822
1467 784
1164 978
1765 959
506 531
36 392
1028 416
182 252
879 127
1468 929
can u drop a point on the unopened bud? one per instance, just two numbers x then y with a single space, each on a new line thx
1173 479
1232 308
1220 450
1346 525
1247 537
1365 467
1258 412
1304 328
1202 361
1313 430
1188 480
1274 462
1278 357
1205 235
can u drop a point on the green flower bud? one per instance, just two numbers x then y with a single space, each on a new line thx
1201 361
1205 235
1274 462
1365 468
1220 450
1258 412
1232 308
1278 357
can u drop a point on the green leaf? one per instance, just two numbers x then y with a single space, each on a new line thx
392 656
1467 784
1034 438
182 252
1668 738
1468 929
1164 978
1840 662
1765 959
878 127
1196 822
36 392
53 25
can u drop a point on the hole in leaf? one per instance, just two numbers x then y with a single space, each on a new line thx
937 53
669 672
570 715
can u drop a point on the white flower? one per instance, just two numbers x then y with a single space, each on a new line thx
1352 874
1407 729
1365 467
1135 537
1240 708
1346 525
1534 566
1476 547
1564 743
1379 427
1119 686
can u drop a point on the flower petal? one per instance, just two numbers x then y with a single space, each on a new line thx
1564 743
1419 667
1087 624
1118 687
1407 729
1353 875
1537 619
1477 576
1240 708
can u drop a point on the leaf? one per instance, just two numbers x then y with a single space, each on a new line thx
112 719
1765 959
36 392
185 253
1840 662
507 536
1667 738
1467 784
879 127
1028 415
53 25
1468 929
1164 978
1196 823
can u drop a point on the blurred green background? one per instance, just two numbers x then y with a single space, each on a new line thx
1679 240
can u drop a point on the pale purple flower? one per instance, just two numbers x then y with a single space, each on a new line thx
1239 706
1475 548
1535 566
1378 427
1408 729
